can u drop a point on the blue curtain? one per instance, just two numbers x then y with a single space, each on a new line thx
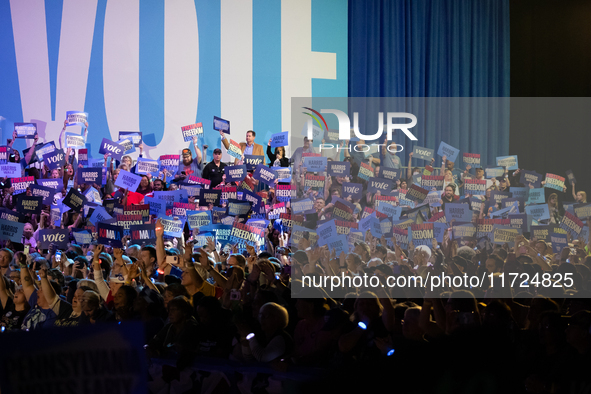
436 48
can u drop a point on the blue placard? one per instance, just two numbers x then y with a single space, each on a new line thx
339 168
559 242
280 139
157 206
382 185
423 153
25 130
198 219
326 231
172 227
147 166
315 164
127 180
520 192
12 231
302 206
538 212
45 150
57 183
136 136
76 118
235 173
390 210
510 162
46 192
110 234
448 150
355 190
252 161
111 148
531 178
172 196
82 237
390 173
339 244
99 215
143 234
536 196
10 170
265 175
493 172
90 176
55 160
127 144
460 212
221 125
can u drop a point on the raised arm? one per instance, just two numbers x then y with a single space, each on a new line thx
4 296
224 140
409 169
26 279
47 288
198 154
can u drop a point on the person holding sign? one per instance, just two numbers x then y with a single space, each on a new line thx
555 212
278 158
189 166
15 157
214 170
580 197
248 148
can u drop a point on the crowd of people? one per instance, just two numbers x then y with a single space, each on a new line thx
243 301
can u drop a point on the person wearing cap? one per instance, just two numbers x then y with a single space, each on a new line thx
214 170
189 166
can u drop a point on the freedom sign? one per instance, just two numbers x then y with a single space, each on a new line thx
475 186
280 139
192 130
21 184
127 180
471 159
555 182
235 150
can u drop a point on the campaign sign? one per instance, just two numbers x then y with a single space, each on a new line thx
302 206
74 200
475 186
460 212
146 166
538 212
29 204
127 180
572 224
448 150
25 130
493 172
421 234
519 221
531 178
136 136
471 159
520 192
112 148
57 184
169 164
422 153
110 234
235 173
505 234
157 205
75 141
559 242
244 234
365 171
497 196
265 175
509 162
207 197
238 208
181 208
3 154
127 144
220 124
83 157
339 168
82 237
430 182
390 173
10 170
173 227
46 193
59 237
192 130
315 182
555 182
280 139
12 231
354 190
54 160
252 161
571 177
283 192
382 185
258 205
536 196
76 118
582 211
198 219
45 150
21 184
235 150
315 164
90 176
172 196
416 193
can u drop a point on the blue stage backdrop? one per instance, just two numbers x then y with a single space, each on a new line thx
436 48
157 66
